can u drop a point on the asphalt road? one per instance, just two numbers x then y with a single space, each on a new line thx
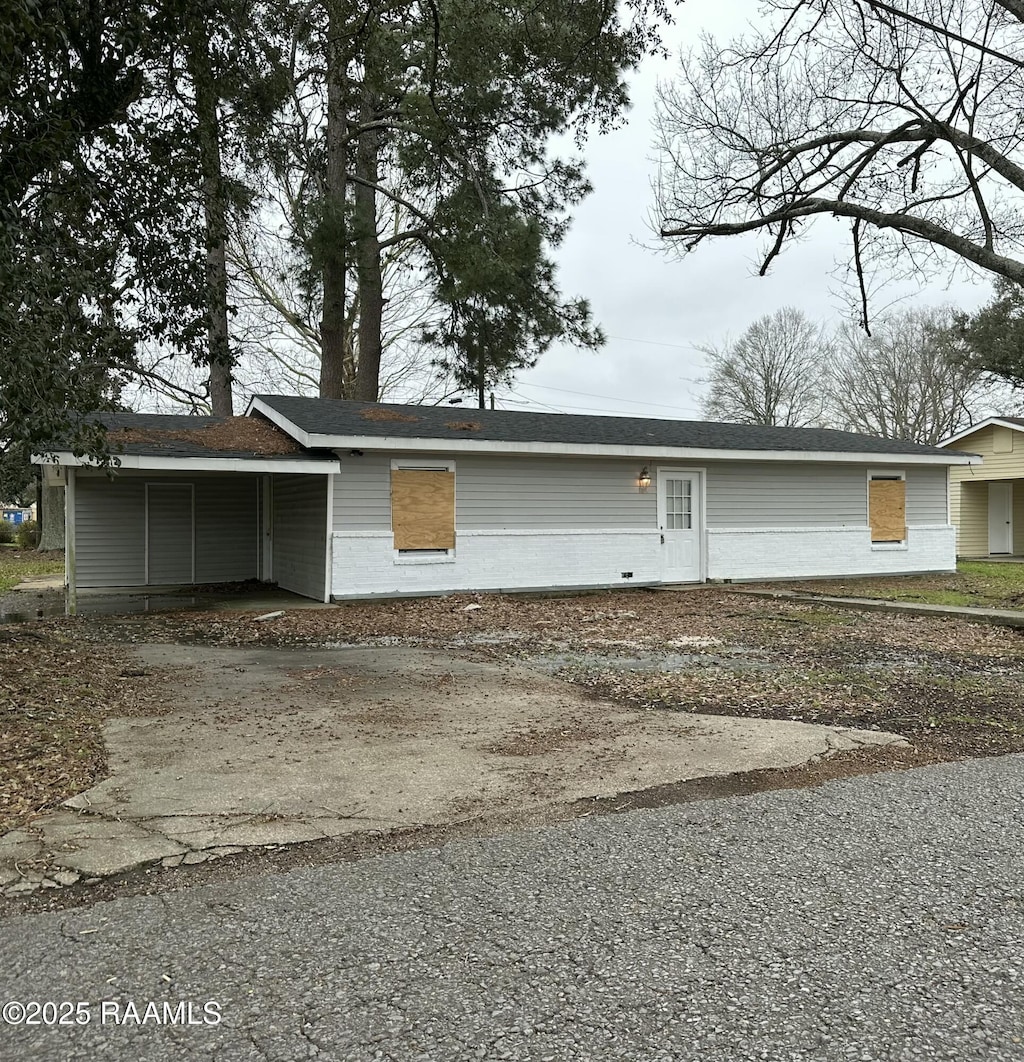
875 918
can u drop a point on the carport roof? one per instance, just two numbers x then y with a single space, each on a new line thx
178 435
338 423
193 443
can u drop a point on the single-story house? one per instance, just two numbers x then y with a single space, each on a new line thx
987 501
338 499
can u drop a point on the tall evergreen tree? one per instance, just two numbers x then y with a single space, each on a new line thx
995 334
432 103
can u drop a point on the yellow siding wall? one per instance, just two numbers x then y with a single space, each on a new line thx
969 488
993 466
1018 517
972 519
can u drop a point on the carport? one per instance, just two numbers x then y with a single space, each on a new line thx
210 501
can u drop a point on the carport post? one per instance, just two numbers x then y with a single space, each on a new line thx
267 530
71 589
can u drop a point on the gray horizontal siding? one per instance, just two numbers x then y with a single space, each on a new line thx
362 494
110 531
502 493
170 533
511 494
110 528
506 494
926 496
226 528
765 494
300 533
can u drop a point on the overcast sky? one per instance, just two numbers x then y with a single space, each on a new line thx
657 310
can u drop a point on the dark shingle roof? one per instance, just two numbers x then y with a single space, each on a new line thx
336 417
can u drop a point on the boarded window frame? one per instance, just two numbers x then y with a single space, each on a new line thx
422 554
888 529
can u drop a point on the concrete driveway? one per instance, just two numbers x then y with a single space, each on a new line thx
266 747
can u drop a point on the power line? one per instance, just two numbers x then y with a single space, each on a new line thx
607 398
657 343
535 402
574 409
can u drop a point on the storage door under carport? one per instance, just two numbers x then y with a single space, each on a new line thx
170 533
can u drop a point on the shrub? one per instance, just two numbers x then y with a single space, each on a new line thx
26 535
6 532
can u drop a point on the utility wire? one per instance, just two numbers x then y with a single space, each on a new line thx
657 343
574 409
607 398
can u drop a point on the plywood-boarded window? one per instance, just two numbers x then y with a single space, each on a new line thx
887 508
423 508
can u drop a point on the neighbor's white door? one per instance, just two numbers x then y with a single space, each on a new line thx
1000 509
679 521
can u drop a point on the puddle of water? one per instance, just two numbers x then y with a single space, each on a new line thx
491 638
49 606
653 662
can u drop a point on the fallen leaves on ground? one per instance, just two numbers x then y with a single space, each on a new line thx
950 684
951 687
55 695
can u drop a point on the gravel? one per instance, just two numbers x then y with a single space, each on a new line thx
873 918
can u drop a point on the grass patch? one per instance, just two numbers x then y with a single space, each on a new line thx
936 597
993 579
17 565
979 584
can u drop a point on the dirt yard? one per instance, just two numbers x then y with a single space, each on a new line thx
952 688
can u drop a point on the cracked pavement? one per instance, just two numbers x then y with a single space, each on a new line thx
267 747
874 918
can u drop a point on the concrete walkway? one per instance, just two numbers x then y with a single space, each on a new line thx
270 747
1003 617
37 583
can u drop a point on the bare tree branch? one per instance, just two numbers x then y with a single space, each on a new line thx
902 116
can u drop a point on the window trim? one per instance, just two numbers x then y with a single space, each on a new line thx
425 556
887 545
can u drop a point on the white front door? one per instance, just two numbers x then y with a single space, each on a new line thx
1000 509
679 521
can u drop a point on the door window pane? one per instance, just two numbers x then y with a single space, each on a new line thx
678 505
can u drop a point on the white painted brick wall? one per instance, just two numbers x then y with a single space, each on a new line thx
778 553
364 563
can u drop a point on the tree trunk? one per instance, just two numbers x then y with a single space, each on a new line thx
368 265
215 211
50 513
333 232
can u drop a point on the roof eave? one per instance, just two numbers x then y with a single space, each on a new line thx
181 463
1000 421
640 452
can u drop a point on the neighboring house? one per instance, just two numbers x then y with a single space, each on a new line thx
987 502
335 499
